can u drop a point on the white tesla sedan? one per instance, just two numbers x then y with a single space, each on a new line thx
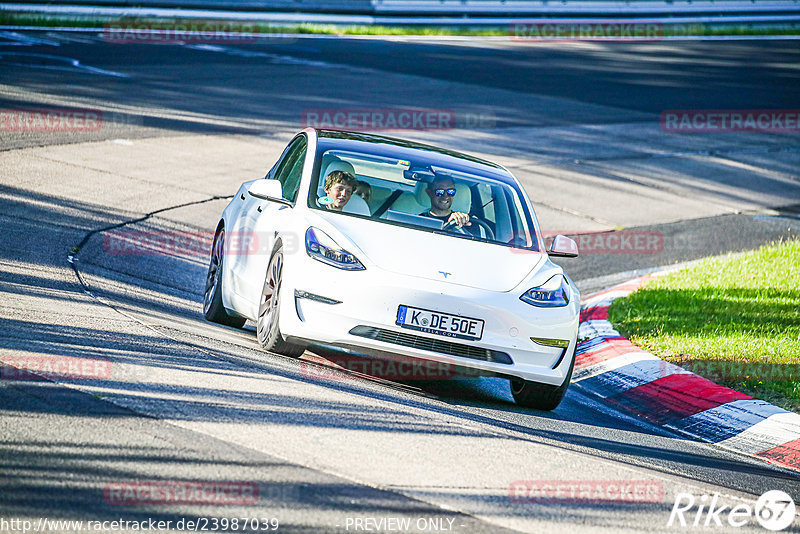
442 260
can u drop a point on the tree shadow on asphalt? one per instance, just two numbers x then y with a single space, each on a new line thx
53 225
69 473
190 403
37 471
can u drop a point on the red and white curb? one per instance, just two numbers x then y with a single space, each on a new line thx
612 368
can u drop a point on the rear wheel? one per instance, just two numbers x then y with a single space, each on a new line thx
213 309
541 396
268 328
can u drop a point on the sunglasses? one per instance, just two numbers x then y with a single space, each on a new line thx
442 192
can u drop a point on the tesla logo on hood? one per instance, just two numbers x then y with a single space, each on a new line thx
445 274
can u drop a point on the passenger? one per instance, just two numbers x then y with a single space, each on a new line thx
441 192
364 190
339 186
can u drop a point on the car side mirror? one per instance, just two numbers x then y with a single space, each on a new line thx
564 247
267 189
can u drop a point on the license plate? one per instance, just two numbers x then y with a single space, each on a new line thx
443 324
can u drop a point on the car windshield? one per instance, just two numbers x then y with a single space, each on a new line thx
405 193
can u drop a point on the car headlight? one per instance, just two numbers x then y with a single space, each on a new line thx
322 247
551 294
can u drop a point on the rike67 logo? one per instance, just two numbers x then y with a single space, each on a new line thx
774 510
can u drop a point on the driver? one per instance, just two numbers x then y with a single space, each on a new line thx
441 191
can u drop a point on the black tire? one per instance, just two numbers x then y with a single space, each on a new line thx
213 310
268 327
541 396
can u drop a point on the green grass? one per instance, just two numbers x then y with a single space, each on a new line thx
12 19
8 18
734 319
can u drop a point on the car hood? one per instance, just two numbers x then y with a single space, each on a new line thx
435 256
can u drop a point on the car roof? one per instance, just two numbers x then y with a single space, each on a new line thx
402 149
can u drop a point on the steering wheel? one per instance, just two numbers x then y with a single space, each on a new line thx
474 220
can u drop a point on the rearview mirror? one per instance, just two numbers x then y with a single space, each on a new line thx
419 174
267 189
564 247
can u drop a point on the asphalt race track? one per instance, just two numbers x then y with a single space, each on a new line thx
184 401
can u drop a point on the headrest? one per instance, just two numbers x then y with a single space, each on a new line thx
338 165
356 204
463 200
421 194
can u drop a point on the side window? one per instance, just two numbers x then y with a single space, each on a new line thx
290 169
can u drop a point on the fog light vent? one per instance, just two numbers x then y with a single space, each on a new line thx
559 343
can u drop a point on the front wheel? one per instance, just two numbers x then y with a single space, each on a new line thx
268 328
541 396
213 309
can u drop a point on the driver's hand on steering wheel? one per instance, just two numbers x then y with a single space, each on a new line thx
459 218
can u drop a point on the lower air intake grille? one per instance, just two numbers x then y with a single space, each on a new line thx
433 345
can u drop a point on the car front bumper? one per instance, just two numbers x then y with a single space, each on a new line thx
356 311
